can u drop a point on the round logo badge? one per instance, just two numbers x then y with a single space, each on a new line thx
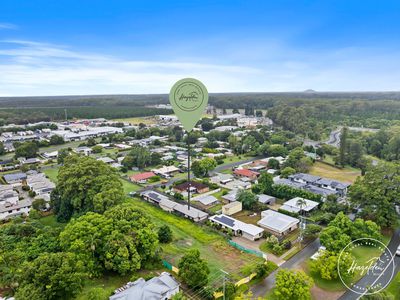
188 96
370 269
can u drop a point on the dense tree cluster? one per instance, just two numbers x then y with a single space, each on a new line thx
377 194
85 184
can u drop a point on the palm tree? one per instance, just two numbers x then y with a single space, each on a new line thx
301 203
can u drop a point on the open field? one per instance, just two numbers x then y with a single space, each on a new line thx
52 173
187 235
346 174
137 120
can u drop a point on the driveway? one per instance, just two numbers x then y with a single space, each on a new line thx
260 289
255 245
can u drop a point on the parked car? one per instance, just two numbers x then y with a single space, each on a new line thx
398 250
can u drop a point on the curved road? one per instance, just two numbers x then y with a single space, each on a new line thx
370 279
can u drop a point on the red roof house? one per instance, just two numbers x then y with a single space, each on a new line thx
142 177
246 173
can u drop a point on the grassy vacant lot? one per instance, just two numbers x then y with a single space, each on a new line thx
129 186
188 235
52 173
138 120
347 174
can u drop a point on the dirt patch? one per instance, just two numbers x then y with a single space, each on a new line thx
318 293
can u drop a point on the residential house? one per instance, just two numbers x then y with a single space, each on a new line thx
276 223
157 288
239 228
245 173
106 160
15 178
142 177
266 199
206 200
231 196
10 210
232 208
83 150
166 171
195 187
294 205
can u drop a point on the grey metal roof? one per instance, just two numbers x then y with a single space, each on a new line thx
14 177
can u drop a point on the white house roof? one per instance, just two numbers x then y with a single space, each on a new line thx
237 225
154 288
293 206
206 199
265 198
276 221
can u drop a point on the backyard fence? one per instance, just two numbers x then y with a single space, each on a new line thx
244 249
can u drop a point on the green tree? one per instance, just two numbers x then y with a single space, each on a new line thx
326 266
377 194
52 276
56 140
286 172
334 239
27 150
39 204
97 149
2 148
343 147
294 285
165 234
62 154
265 183
201 168
277 150
273 164
85 184
193 270
248 199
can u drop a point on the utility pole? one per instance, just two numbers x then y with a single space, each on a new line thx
188 170
224 281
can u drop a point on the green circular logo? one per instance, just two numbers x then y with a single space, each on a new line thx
189 94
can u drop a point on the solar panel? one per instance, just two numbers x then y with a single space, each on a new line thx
225 220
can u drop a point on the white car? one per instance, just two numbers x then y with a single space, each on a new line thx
398 250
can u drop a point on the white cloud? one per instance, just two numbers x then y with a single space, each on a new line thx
32 68
8 26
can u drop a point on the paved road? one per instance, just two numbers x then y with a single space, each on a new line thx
369 279
334 137
234 164
260 289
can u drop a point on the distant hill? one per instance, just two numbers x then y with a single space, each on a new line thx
309 91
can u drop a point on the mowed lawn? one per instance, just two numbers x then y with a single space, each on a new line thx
188 235
52 173
346 174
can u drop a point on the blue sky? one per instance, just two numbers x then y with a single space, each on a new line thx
114 47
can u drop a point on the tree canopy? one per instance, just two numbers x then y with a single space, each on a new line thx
85 184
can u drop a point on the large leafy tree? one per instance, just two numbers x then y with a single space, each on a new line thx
52 276
293 285
334 239
327 265
377 194
201 168
85 184
265 183
193 270
248 199
120 240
